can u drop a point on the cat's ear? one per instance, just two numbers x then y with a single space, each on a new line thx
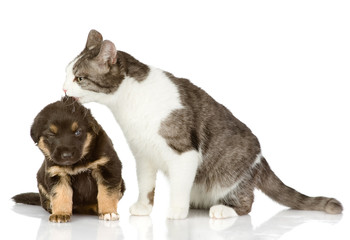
108 53
94 38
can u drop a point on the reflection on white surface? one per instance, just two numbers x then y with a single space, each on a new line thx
81 228
85 226
197 226
143 225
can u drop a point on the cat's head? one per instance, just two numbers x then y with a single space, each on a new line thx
95 72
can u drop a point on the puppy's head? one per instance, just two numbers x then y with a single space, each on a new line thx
64 131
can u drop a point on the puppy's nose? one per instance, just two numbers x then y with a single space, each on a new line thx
66 155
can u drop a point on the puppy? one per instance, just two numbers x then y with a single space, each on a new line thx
81 172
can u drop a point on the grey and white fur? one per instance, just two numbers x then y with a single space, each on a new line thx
212 159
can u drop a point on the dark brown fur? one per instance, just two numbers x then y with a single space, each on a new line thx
150 196
80 167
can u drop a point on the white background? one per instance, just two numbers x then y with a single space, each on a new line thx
282 67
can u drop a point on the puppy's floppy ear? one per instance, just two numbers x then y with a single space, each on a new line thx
93 124
37 128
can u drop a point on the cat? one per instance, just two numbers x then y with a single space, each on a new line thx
212 159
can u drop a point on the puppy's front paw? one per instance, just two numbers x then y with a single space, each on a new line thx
109 216
140 209
59 218
177 213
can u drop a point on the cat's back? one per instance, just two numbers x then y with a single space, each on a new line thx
202 106
163 106
150 100
202 122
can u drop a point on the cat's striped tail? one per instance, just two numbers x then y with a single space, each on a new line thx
273 187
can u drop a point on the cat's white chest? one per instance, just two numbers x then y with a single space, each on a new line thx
140 107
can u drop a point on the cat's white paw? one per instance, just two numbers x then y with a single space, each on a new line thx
222 211
140 209
109 216
177 213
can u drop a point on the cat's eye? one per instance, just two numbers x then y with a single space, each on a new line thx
77 133
80 79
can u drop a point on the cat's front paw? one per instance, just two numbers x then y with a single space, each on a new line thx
222 211
177 213
140 209
109 216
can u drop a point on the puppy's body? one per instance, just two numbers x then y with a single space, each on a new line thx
81 171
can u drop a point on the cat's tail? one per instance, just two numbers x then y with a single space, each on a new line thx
27 198
273 187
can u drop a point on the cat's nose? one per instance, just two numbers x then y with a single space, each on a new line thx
65 90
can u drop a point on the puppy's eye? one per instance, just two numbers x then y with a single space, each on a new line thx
50 135
77 133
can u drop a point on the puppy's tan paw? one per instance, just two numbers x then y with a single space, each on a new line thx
109 216
59 218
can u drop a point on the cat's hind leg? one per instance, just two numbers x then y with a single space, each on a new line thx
238 202
222 211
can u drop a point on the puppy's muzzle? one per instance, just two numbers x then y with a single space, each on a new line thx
67 155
